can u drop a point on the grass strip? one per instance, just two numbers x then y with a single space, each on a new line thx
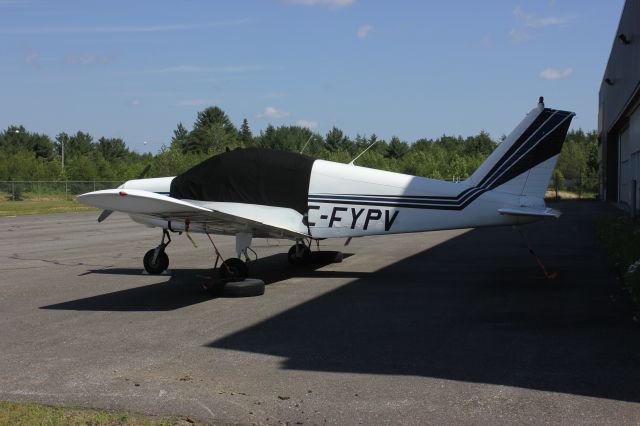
621 238
32 204
28 413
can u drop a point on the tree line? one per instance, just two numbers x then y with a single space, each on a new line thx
33 156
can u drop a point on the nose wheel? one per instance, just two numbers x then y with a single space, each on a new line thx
156 261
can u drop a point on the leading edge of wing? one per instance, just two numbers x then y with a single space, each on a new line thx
248 216
137 201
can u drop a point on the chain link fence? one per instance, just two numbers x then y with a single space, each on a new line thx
16 190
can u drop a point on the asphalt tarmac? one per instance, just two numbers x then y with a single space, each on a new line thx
452 327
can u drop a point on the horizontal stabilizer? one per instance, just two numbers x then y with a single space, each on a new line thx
530 211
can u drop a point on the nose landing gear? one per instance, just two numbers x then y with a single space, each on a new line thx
156 261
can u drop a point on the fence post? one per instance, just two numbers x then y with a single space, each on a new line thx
580 185
66 190
94 185
13 191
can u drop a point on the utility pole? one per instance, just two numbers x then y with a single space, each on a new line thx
62 144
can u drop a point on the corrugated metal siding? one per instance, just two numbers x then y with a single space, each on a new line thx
623 68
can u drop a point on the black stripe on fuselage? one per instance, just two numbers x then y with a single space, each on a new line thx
526 153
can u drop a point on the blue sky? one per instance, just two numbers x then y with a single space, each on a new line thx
134 69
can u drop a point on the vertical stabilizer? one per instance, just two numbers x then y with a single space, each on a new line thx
523 163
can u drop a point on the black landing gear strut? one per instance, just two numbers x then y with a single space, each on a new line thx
299 253
232 269
231 279
156 260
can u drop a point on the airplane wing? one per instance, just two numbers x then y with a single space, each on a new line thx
214 217
530 211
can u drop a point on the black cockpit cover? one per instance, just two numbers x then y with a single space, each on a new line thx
254 175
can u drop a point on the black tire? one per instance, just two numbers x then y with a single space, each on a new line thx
233 269
161 264
215 288
299 260
247 288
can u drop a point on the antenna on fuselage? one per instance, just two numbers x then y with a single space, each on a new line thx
365 150
307 143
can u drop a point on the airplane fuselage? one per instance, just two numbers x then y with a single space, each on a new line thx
349 201
263 193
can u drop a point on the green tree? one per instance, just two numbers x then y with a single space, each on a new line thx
77 145
336 140
17 138
81 167
42 146
267 138
212 132
481 144
246 138
287 138
112 148
180 138
396 148
14 139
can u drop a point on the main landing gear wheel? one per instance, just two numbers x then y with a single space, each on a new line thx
161 262
299 254
233 269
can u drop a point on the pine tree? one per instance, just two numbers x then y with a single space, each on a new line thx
180 138
246 138
396 148
336 140
212 132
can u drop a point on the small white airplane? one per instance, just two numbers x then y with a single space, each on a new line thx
263 193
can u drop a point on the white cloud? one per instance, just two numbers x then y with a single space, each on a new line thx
520 36
531 20
32 58
364 31
121 30
271 112
135 102
331 4
309 124
89 59
556 74
195 102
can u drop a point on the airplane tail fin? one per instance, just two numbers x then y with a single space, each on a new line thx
523 163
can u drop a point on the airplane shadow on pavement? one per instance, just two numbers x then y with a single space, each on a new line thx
184 286
477 309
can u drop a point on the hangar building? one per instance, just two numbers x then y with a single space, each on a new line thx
619 113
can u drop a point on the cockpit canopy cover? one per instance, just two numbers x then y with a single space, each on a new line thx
253 175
